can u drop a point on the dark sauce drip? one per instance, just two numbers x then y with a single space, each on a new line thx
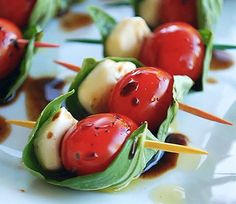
5 129
156 167
39 92
72 21
221 60
129 88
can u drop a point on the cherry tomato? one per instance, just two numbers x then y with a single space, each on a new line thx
92 144
144 94
10 52
178 10
176 48
17 11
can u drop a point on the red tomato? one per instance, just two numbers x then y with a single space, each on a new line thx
17 11
175 47
92 144
178 10
10 52
144 94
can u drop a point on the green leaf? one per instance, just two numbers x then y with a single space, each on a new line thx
104 22
42 12
223 47
208 12
182 85
12 83
29 158
119 174
73 104
207 37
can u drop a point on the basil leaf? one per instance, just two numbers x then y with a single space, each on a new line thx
208 12
44 10
207 38
182 85
73 104
11 83
104 22
29 158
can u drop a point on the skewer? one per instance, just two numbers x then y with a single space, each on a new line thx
168 147
22 123
182 106
99 41
37 44
202 114
68 66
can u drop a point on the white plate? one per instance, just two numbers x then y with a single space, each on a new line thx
203 180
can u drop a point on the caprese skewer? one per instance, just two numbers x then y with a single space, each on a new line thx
122 85
102 151
28 13
201 14
16 53
176 47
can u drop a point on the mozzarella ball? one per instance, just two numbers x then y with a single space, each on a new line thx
47 143
96 88
127 38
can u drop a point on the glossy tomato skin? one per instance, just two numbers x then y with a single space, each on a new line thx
178 10
10 52
144 94
93 143
176 48
17 11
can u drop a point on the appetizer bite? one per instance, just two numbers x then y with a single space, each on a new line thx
201 14
101 152
27 13
175 47
123 85
16 55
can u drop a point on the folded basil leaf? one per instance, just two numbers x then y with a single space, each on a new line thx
73 104
44 10
207 38
29 158
208 12
104 22
127 166
182 85
10 84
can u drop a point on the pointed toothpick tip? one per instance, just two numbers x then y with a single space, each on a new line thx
203 114
38 44
68 66
174 148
